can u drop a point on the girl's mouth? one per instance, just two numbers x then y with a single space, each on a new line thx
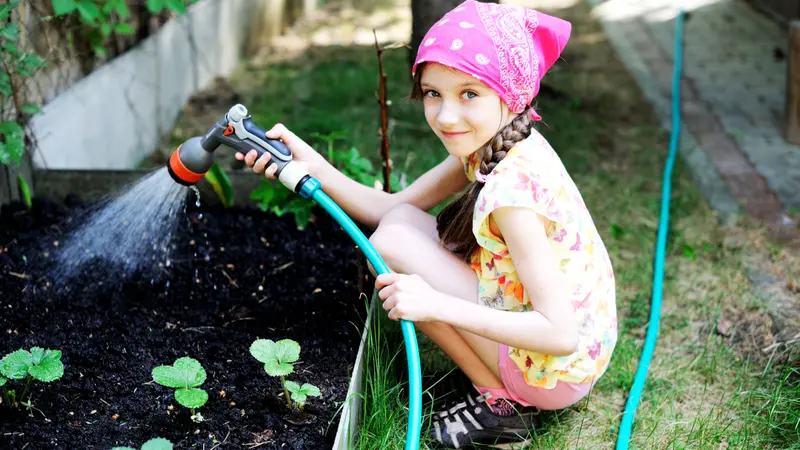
453 134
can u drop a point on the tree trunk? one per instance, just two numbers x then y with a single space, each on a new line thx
424 14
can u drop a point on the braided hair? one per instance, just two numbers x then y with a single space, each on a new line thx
454 222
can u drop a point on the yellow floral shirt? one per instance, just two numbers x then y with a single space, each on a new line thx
532 176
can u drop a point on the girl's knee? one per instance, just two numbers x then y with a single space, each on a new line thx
391 240
403 213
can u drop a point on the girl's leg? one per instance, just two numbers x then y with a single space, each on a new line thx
407 240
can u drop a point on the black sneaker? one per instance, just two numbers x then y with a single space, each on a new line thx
470 420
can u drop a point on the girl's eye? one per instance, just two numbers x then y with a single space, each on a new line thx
430 93
469 94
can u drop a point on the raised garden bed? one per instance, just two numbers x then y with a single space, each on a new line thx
235 275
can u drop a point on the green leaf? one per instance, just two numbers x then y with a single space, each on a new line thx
3 380
297 394
15 365
47 365
14 146
192 397
301 393
154 6
221 183
276 356
311 390
31 109
5 10
5 85
26 191
185 373
123 28
176 5
276 368
10 31
265 193
288 350
88 11
157 444
62 7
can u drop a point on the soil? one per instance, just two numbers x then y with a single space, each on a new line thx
264 278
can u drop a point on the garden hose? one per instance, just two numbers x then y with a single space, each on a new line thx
311 189
661 245
192 159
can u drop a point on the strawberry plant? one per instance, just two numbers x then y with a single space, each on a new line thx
37 364
185 375
152 444
278 358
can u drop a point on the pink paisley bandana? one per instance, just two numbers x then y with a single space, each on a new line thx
507 47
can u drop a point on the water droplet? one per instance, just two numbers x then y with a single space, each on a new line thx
121 231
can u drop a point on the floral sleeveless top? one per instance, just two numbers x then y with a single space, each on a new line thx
533 176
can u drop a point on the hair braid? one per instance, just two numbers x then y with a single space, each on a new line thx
454 223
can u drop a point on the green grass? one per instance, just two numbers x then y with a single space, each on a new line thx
705 390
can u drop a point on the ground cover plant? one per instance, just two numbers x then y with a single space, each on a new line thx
148 356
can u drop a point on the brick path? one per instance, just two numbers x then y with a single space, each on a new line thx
733 95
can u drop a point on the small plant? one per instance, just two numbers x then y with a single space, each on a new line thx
275 198
301 393
278 358
185 375
152 444
36 364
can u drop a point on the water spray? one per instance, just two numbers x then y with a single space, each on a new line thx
191 160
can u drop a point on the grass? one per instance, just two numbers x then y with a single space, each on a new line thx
711 385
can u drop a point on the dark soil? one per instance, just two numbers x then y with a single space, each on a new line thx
113 334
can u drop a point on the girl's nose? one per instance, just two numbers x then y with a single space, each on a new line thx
448 114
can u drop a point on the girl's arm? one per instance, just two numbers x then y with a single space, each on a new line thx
551 328
365 204
368 205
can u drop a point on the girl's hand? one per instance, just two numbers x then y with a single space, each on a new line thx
408 297
301 152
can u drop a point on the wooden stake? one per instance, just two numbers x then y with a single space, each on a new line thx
384 119
793 85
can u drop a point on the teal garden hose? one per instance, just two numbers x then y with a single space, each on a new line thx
191 160
311 189
661 245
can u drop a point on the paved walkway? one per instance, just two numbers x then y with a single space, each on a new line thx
733 96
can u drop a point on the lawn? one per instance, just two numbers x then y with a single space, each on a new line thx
720 377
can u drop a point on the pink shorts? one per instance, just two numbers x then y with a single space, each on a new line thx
561 396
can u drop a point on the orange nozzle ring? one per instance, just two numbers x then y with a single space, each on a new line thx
181 171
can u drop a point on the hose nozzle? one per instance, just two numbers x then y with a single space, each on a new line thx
192 159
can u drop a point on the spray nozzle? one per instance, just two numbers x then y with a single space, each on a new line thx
236 129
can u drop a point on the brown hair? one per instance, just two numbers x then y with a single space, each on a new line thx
454 222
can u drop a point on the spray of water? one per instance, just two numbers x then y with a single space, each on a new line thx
128 233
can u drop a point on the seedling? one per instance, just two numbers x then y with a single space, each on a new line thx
301 393
36 364
185 375
152 444
278 358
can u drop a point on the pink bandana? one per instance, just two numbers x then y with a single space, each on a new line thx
507 47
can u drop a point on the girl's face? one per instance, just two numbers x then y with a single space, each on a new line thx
461 110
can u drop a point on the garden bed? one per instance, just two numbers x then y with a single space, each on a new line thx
262 278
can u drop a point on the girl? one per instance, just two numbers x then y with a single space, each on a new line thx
512 279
